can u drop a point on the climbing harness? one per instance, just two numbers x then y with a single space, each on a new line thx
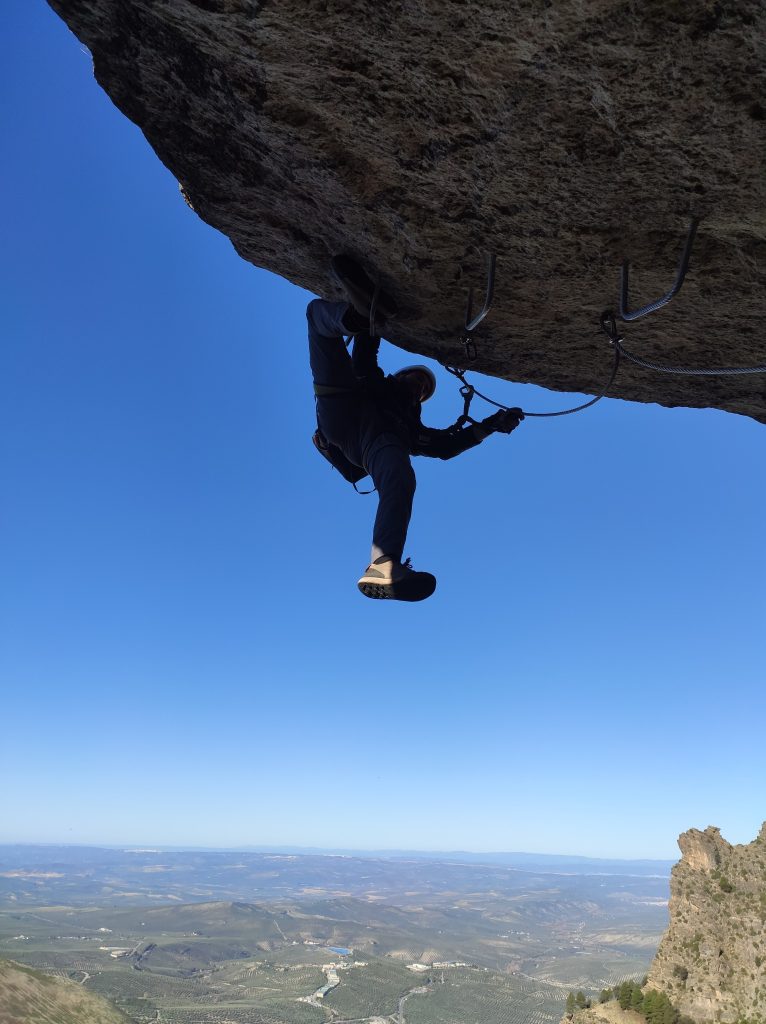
347 469
608 324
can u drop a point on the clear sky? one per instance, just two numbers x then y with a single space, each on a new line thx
185 657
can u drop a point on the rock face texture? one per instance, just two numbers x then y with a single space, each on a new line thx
419 135
712 959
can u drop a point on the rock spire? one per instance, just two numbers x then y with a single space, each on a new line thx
712 960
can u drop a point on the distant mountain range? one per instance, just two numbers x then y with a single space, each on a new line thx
535 862
528 861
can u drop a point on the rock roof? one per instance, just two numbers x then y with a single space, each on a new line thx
419 136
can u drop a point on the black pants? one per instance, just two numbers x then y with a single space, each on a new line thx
354 424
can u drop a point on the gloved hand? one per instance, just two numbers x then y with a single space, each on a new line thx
503 421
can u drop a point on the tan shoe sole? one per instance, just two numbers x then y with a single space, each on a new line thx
412 588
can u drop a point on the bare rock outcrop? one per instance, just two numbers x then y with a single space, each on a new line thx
603 1013
712 959
419 135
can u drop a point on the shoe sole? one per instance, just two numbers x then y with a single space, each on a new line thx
406 590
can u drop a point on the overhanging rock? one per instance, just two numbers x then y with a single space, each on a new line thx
420 134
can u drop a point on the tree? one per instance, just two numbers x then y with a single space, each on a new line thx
636 999
649 1009
668 1012
571 1003
625 992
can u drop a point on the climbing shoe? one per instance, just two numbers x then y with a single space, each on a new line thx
396 581
360 290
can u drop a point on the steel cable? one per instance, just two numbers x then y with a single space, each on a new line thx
460 374
619 350
727 371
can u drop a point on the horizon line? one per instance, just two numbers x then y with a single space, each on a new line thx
346 851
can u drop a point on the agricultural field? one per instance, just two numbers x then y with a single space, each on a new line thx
528 936
260 991
464 996
374 990
191 978
589 971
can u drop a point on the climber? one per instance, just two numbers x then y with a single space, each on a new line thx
369 423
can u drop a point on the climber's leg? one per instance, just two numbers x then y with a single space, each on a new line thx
389 465
329 358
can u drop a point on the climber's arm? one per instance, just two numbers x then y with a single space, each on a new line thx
446 444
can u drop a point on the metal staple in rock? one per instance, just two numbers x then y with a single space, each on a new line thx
608 325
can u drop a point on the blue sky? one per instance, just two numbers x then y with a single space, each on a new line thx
185 657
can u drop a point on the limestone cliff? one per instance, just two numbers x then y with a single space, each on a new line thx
419 134
712 959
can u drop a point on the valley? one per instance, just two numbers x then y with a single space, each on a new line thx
293 939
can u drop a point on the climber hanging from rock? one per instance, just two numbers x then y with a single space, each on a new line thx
369 423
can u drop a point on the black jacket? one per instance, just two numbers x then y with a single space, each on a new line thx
401 411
